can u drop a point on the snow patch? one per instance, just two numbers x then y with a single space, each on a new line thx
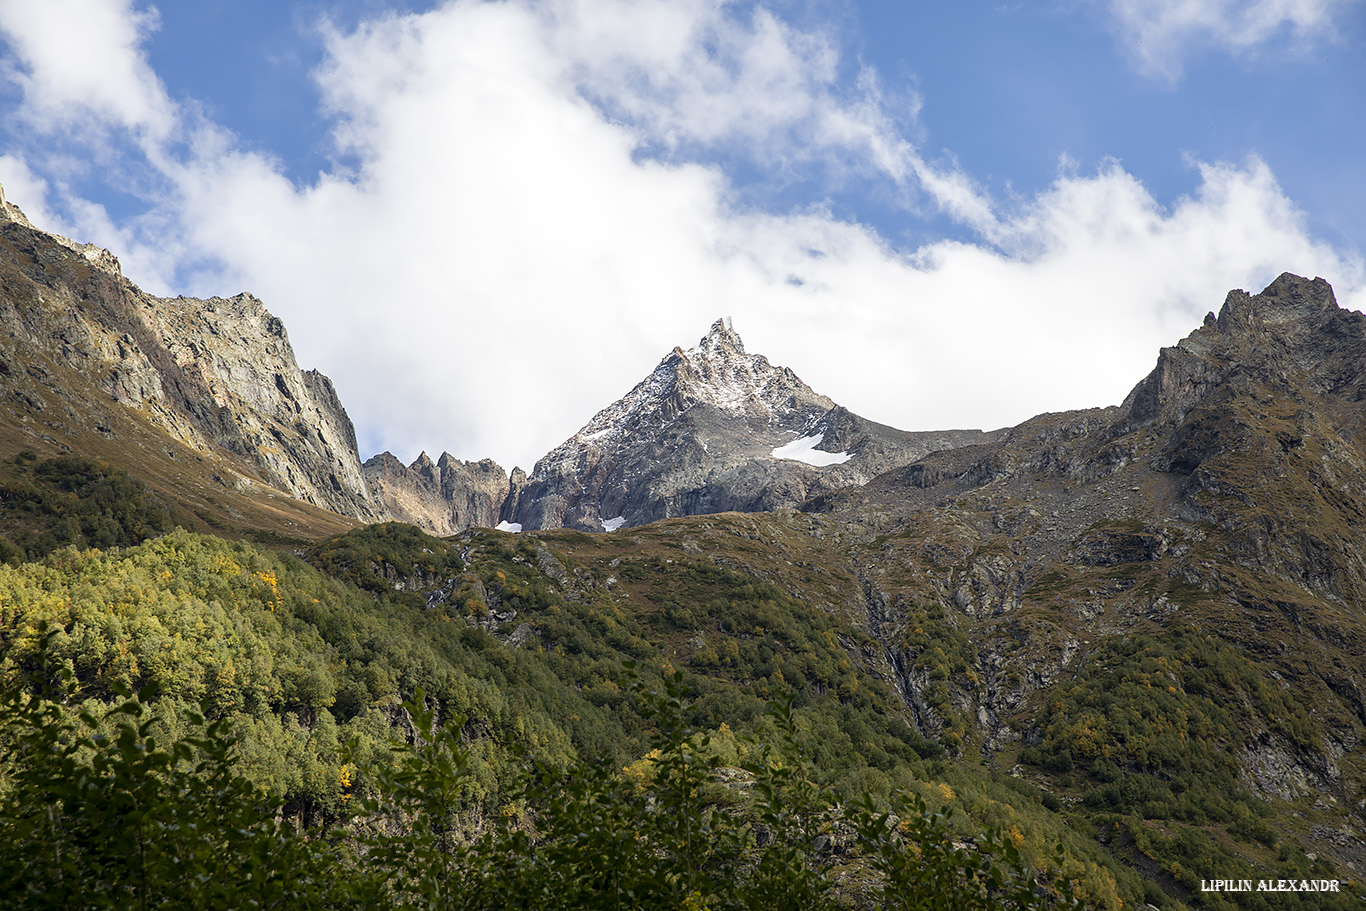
613 524
513 527
804 450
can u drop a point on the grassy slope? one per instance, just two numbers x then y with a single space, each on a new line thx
1139 739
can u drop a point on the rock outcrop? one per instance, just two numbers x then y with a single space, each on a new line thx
218 375
712 429
442 497
1221 503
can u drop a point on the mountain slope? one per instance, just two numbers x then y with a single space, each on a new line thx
712 429
1206 534
1152 612
89 364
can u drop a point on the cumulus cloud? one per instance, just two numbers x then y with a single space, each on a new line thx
79 61
1160 34
1094 277
528 211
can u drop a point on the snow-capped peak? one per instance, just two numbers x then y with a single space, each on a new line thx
718 371
721 336
715 371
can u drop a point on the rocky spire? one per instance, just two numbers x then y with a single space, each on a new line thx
10 212
722 337
1294 328
719 372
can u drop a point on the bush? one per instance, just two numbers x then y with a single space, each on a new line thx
97 813
663 834
73 501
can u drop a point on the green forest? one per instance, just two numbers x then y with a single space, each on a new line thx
196 722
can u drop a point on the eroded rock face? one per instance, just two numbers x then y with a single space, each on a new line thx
442 497
713 429
218 374
1293 328
258 402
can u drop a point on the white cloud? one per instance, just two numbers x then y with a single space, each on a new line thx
1160 34
1094 278
92 107
80 60
528 183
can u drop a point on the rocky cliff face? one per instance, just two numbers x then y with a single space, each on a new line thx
713 429
258 403
442 497
218 375
1116 589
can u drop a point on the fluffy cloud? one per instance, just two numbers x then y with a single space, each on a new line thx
80 61
1160 34
530 209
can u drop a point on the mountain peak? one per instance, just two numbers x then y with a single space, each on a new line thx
711 429
1290 298
718 372
93 253
721 336
721 373
1292 328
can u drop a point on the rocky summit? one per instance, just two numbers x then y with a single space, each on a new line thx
1214 518
442 497
713 429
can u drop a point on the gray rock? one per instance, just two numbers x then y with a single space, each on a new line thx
217 375
442 498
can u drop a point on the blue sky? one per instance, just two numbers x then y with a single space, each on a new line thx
487 220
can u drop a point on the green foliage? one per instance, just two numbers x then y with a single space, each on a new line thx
1152 731
921 869
1169 710
381 558
294 664
97 811
73 501
1186 852
941 652
591 836
297 663
751 634
409 818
